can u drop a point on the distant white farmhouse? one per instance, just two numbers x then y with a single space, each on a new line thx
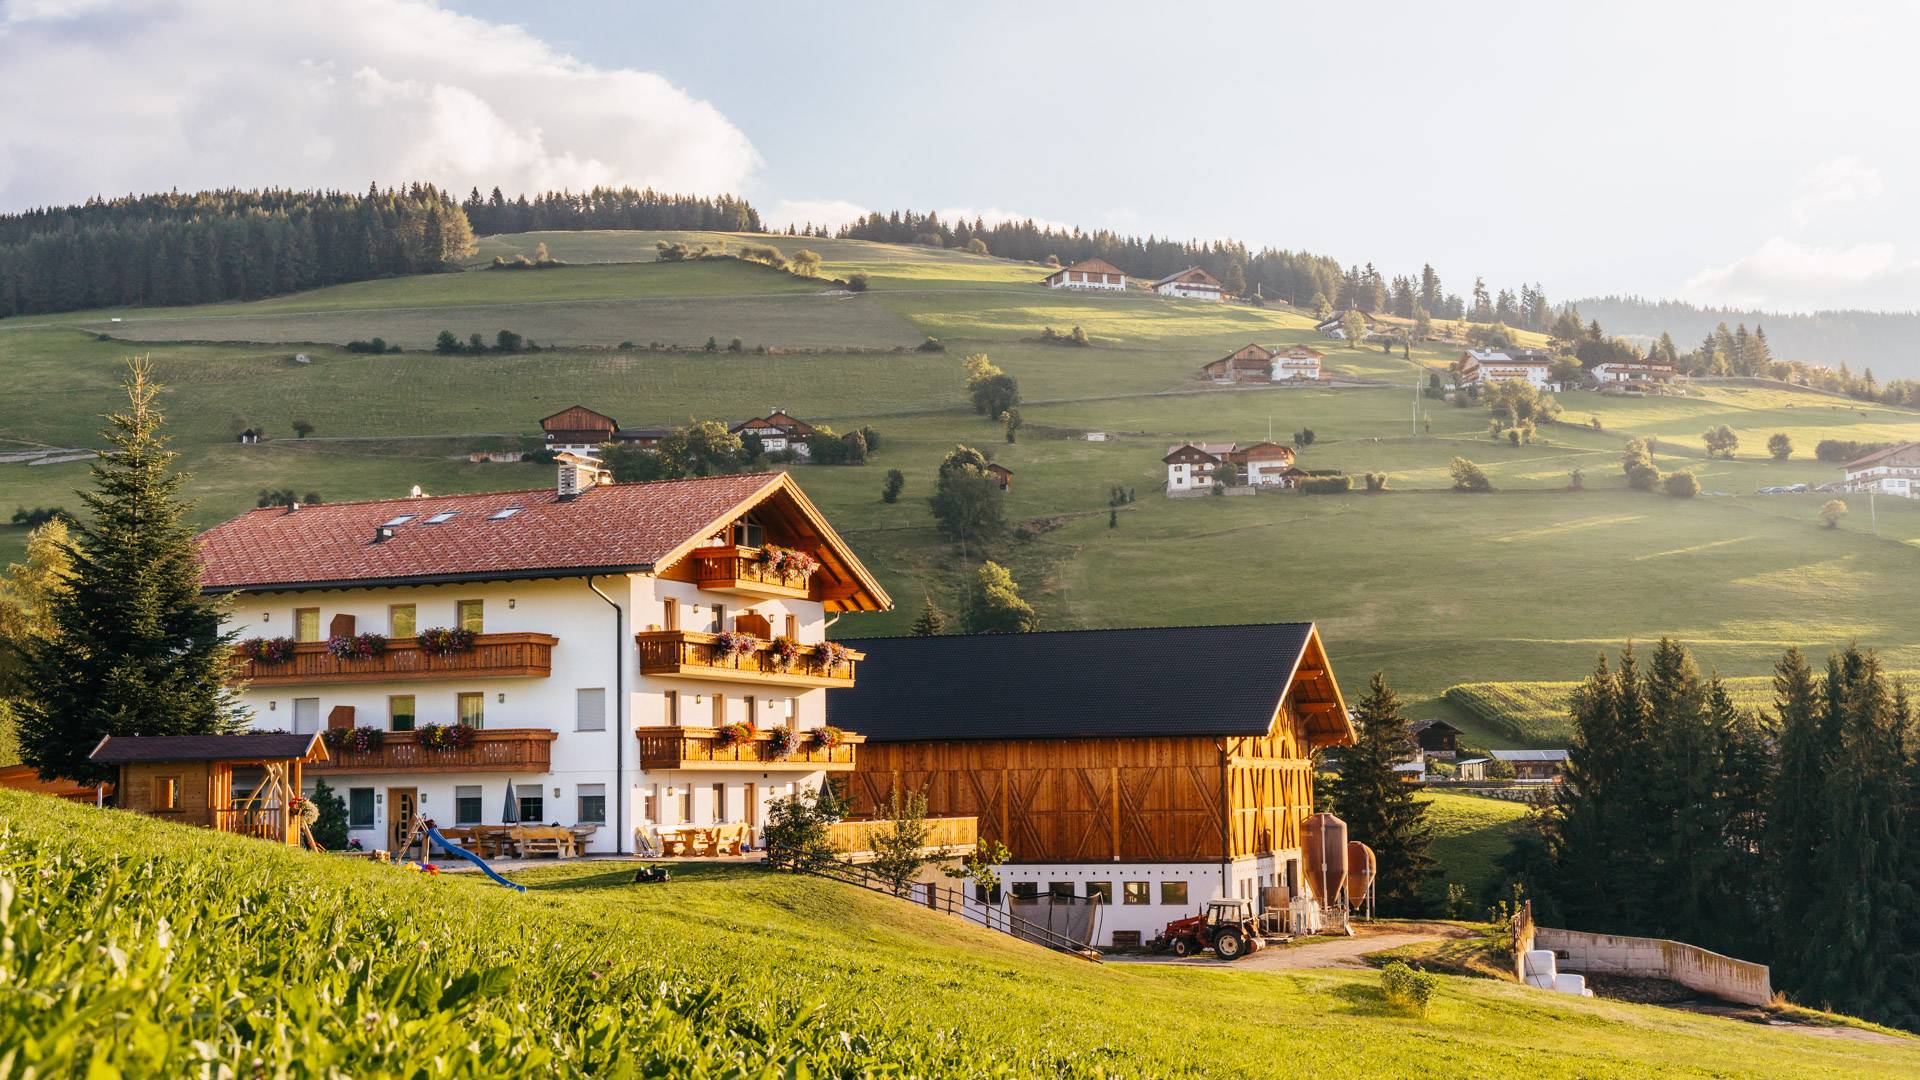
1193 283
1090 274
1488 366
1633 373
1330 326
1296 362
1893 471
1190 466
778 432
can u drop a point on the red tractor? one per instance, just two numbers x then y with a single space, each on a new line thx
1227 927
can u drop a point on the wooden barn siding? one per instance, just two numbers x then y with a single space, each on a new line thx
1078 800
136 790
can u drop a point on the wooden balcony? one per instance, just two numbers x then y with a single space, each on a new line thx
663 748
493 656
693 654
945 836
739 570
520 750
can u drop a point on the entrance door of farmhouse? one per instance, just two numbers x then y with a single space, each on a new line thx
402 804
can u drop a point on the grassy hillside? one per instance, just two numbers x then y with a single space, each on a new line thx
1535 713
1434 588
160 950
1469 832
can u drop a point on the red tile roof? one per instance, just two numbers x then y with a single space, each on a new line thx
619 527
1868 459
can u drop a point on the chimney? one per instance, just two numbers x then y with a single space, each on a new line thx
578 472
382 533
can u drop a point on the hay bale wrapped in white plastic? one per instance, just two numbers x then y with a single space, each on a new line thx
1570 983
1537 968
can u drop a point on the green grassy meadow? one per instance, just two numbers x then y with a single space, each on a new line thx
1469 833
1435 589
140 948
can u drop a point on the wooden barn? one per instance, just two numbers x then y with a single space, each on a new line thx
243 784
1156 768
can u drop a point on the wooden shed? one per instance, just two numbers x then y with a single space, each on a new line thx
244 784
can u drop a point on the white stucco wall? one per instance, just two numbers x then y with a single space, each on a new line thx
585 657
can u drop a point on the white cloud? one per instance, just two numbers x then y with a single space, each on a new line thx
832 213
159 94
1833 183
1788 275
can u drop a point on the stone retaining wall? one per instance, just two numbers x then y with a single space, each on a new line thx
1689 965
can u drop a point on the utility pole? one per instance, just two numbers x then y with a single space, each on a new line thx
1873 512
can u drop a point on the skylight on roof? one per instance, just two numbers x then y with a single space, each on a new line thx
504 514
401 520
444 515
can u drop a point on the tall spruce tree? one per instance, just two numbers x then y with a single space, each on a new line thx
137 648
1856 917
1796 816
932 621
1378 806
1601 859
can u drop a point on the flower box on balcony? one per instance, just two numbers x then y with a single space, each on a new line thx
493 656
702 748
521 750
771 572
694 654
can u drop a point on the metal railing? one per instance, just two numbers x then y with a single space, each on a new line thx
954 902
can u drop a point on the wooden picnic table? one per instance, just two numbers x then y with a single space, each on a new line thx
703 840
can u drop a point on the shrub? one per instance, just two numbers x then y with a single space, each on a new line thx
507 341
1832 512
796 830
1326 485
39 515
446 342
899 845
1467 476
857 281
1682 484
1843 450
375 345
330 828
932 344
1407 989
890 491
1780 445
1721 441
1577 479
1376 482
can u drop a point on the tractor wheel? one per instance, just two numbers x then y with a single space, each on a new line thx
1229 945
1180 947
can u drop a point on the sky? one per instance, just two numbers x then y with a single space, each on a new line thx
1747 154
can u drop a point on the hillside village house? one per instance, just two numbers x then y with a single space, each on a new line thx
1000 475
1330 326
1192 283
778 432
1090 274
1190 466
1893 471
1262 363
1488 366
1102 763
581 430
570 655
1435 737
1534 766
1606 374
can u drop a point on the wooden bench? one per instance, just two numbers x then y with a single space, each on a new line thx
543 840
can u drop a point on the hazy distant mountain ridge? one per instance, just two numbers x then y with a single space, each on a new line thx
1886 341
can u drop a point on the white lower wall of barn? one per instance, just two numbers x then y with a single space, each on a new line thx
1244 878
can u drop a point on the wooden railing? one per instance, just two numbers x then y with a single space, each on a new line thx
260 822
699 748
739 570
957 903
495 750
695 654
945 835
493 656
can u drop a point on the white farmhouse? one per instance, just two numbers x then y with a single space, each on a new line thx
1090 274
1191 466
1296 362
1633 373
1489 366
1893 471
1193 283
593 655
778 432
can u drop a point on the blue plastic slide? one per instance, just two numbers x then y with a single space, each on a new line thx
433 834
